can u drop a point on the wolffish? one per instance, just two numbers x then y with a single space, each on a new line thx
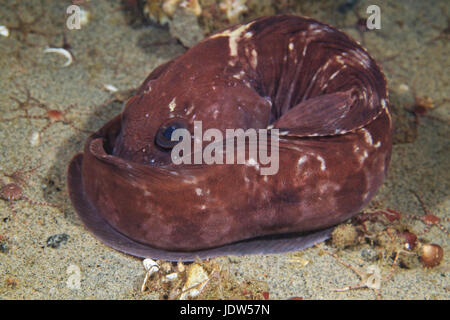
313 83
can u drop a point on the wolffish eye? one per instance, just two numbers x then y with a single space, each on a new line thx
164 134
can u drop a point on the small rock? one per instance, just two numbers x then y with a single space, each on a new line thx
4 247
345 235
184 27
56 240
197 278
369 254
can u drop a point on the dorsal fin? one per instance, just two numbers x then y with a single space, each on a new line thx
325 115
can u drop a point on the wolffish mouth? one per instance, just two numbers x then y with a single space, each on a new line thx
110 133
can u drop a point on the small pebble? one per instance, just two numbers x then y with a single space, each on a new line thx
56 240
3 247
369 254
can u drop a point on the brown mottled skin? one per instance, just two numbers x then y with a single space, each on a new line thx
309 80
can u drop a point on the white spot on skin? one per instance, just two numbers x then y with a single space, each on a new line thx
291 46
327 187
189 111
367 136
147 193
323 167
172 105
239 75
234 36
377 145
198 191
362 58
334 75
302 160
384 105
254 59
363 157
252 163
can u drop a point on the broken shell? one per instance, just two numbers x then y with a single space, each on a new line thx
150 265
110 88
62 52
35 139
172 276
197 278
431 255
4 31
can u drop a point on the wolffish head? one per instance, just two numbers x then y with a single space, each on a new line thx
149 119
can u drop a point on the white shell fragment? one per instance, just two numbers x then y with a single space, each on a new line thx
172 276
197 278
4 31
151 267
62 52
35 139
110 88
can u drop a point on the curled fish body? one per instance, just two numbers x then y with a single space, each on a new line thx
318 87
